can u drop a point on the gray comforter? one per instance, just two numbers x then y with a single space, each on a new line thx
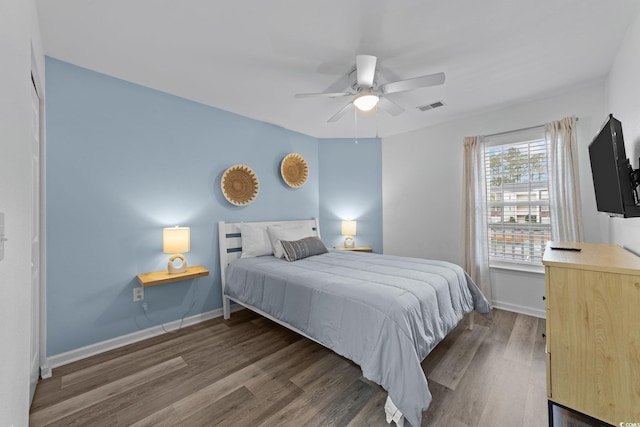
383 312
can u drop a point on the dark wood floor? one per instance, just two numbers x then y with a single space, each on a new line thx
249 371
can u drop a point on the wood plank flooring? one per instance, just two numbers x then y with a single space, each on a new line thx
248 371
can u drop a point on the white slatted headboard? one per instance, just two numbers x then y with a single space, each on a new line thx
230 243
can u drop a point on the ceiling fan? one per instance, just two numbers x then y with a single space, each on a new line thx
366 92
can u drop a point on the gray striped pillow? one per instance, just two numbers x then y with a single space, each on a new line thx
303 248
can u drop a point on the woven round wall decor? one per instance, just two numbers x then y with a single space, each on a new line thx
294 170
240 185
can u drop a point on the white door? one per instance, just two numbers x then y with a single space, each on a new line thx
35 244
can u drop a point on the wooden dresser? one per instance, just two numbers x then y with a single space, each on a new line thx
593 330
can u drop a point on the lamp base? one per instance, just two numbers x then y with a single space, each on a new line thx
349 242
179 266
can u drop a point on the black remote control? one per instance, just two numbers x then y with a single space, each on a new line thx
561 248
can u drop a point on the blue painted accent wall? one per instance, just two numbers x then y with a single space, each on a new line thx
124 161
351 188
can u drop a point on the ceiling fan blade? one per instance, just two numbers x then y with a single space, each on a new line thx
337 116
415 83
366 69
322 94
390 107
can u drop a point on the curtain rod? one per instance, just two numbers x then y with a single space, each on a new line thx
516 130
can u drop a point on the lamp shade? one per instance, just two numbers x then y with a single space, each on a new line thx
176 240
348 228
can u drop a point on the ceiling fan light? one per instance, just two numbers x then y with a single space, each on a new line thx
366 101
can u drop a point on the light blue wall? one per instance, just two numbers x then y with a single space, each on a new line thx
124 161
351 188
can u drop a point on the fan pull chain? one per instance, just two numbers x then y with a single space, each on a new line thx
377 110
355 120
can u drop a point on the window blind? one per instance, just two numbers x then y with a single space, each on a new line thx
517 198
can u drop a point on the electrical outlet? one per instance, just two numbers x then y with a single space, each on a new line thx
138 293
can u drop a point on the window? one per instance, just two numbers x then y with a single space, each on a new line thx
517 196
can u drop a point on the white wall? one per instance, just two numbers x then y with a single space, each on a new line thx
422 186
624 103
18 31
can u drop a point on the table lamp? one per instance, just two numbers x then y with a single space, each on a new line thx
349 230
174 241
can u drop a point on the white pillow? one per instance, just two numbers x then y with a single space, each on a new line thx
255 240
287 232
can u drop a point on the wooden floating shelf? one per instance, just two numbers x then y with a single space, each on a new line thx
354 249
162 277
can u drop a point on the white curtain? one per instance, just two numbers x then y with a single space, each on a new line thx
564 192
476 254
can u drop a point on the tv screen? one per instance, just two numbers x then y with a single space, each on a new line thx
611 172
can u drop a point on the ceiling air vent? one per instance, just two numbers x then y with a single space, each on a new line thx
430 106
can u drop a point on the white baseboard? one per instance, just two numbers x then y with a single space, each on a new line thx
111 344
535 312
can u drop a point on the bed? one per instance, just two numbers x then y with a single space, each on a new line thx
385 313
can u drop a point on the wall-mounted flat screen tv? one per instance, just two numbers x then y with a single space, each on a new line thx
614 179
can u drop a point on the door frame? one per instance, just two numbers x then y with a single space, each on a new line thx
38 82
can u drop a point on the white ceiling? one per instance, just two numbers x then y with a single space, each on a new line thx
251 56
